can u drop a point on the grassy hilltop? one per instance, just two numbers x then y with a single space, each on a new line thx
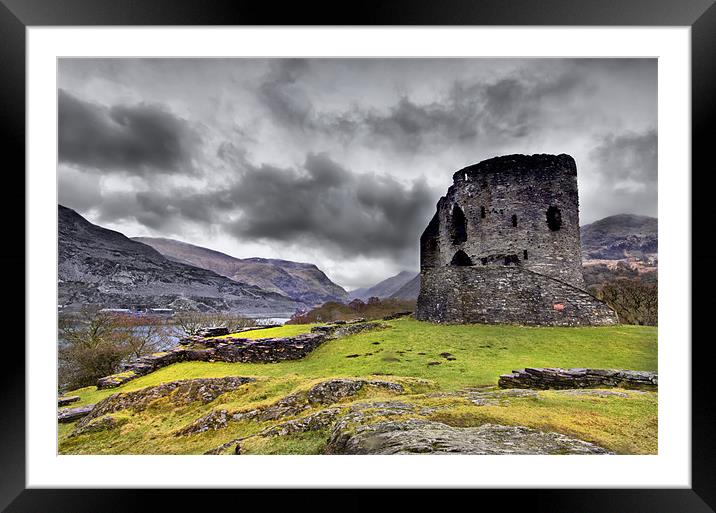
432 362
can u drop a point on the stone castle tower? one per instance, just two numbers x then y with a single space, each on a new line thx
504 247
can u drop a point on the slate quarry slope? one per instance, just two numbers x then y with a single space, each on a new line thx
103 267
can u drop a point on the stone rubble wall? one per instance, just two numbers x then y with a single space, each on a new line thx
233 350
555 378
506 295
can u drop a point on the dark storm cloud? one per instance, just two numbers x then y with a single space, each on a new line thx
136 139
322 203
356 214
627 168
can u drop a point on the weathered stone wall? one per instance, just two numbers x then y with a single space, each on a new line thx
234 349
579 378
506 296
219 350
504 247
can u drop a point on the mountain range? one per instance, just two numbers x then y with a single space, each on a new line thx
625 237
101 266
301 282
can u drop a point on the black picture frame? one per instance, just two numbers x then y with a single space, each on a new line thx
700 15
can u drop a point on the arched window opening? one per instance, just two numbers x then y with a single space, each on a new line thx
461 259
514 220
554 218
459 226
429 247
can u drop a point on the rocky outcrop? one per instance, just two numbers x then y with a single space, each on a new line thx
218 419
335 390
546 378
67 415
104 423
415 436
177 392
314 422
288 406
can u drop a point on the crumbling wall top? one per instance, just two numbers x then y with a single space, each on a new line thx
518 163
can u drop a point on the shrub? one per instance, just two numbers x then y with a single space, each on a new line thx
635 301
94 343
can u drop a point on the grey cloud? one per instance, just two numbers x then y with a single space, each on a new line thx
467 111
281 91
136 139
355 214
321 203
626 165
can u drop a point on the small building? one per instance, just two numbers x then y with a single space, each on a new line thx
504 247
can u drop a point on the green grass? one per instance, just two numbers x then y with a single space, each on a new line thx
278 331
481 354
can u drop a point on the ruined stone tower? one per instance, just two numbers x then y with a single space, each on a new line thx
503 247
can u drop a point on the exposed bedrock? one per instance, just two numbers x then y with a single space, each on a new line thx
416 436
180 392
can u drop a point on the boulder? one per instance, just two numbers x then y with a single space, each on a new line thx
64 401
66 415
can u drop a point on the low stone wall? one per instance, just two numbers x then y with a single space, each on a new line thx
506 295
343 329
233 350
579 378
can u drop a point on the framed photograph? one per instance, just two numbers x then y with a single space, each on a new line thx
417 248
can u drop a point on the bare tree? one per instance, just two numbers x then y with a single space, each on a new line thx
94 343
634 301
190 323
91 346
144 334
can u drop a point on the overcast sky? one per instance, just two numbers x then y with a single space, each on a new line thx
338 162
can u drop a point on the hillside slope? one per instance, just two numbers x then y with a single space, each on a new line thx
621 237
385 288
408 291
300 281
103 267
